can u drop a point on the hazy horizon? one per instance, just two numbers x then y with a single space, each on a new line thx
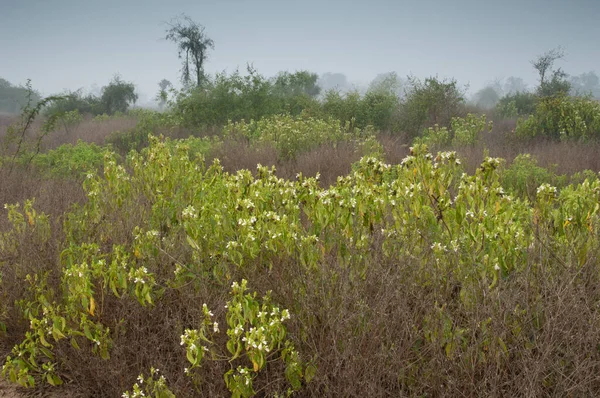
67 45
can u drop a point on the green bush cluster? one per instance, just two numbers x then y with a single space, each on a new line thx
117 96
377 108
516 104
523 177
429 102
149 122
253 96
292 135
465 131
562 117
165 227
70 161
236 97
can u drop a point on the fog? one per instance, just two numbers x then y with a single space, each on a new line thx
67 45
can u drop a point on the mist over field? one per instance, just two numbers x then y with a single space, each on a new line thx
67 44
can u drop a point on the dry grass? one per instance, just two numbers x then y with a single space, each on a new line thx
90 131
560 157
87 130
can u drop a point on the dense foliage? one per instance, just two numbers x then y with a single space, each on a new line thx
567 118
116 97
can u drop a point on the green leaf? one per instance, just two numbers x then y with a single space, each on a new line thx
53 380
74 343
192 243
87 332
190 357
310 372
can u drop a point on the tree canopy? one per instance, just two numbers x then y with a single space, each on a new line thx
193 45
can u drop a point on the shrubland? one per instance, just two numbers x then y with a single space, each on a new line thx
255 239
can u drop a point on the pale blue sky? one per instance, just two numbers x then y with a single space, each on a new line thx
68 44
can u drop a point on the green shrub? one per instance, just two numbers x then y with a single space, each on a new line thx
524 177
428 103
517 104
562 117
68 161
132 269
236 97
434 137
148 123
291 135
466 130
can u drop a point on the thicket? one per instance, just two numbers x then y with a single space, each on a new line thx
174 276
409 279
116 97
562 117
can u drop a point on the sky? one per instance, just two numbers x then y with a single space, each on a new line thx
70 44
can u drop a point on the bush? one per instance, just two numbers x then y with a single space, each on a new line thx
428 103
116 97
291 135
71 161
435 137
567 118
376 108
465 132
517 104
253 96
148 123
524 177
399 280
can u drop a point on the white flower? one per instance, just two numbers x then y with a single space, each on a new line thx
216 327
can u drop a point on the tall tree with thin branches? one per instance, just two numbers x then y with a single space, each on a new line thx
193 45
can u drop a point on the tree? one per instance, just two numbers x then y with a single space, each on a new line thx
162 95
552 81
117 96
298 83
334 81
586 83
514 85
387 82
487 97
14 98
193 45
429 102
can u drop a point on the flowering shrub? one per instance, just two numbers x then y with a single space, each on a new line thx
292 135
166 224
255 331
464 131
152 386
563 117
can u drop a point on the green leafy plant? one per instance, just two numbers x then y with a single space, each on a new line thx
429 102
524 176
154 386
562 117
256 336
292 135
467 130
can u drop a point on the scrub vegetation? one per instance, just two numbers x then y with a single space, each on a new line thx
261 236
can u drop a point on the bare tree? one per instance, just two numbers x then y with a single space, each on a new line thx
193 45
